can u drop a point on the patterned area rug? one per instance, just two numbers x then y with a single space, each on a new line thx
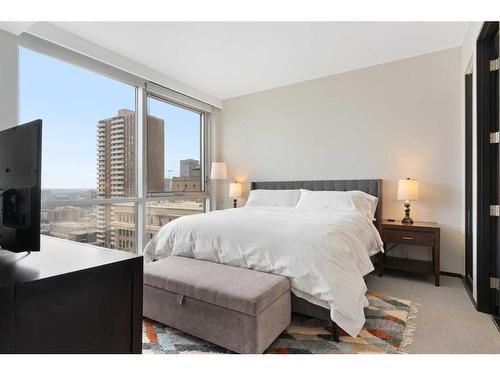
388 329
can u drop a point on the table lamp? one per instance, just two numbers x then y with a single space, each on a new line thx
218 172
407 191
235 190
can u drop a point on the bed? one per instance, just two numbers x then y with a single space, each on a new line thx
325 256
370 186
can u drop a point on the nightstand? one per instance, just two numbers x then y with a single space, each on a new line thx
420 233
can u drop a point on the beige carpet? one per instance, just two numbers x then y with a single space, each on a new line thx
446 322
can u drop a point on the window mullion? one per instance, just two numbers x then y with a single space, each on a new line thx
141 167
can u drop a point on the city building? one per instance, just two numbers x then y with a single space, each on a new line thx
157 215
65 214
190 183
116 166
70 223
90 194
187 166
168 184
74 231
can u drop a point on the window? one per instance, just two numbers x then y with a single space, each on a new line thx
93 189
95 224
175 162
162 212
86 119
174 144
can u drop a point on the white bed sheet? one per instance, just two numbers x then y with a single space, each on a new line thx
324 254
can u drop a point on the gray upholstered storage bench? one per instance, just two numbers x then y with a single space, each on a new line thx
236 308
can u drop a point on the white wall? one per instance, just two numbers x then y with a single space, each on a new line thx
8 80
388 121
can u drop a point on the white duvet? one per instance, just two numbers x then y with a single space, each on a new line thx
324 254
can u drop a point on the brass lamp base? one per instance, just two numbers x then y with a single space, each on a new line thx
235 203
407 219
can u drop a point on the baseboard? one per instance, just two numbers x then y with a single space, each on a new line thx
451 274
495 319
469 293
497 322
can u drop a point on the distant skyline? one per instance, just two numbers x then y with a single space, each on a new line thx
70 101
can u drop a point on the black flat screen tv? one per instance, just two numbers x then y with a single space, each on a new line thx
20 179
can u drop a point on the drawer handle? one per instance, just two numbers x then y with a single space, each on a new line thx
407 238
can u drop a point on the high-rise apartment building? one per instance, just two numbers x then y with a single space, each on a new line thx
116 164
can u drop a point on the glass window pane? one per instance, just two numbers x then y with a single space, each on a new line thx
121 224
88 128
105 225
174 148
162 212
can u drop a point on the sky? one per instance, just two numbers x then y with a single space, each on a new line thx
70 101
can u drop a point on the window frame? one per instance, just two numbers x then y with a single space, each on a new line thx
203 155
143 90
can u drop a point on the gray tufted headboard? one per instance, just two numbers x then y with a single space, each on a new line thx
372 187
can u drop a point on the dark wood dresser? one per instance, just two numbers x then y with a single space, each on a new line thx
420 233
70 298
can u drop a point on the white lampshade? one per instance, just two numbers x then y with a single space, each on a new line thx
407 190
219 171
235 190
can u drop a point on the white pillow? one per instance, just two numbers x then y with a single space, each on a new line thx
372 201
273 198
338 201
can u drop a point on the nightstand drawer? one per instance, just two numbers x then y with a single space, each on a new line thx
409 237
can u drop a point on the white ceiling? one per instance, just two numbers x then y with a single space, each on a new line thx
232 59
